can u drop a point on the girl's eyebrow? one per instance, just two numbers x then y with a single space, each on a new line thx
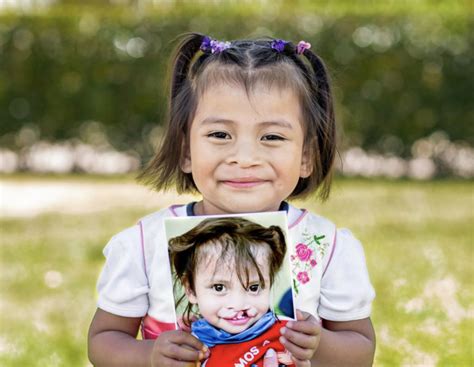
218 120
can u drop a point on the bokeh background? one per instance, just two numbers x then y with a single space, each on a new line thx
83 88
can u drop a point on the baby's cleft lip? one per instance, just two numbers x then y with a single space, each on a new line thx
237 321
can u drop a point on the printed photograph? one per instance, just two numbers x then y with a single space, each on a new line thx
232 283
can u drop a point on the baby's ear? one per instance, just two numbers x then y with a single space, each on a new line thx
306 168
190 293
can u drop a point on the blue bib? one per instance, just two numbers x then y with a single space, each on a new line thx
211 336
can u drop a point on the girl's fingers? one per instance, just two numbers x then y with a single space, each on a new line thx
302 315
184 347
307 341
309 326
296 351
180 337
181 353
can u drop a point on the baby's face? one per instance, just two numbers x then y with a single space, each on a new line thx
222 299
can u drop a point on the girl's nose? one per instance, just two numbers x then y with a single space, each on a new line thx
245 154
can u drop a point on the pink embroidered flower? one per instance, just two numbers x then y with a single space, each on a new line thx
303 277
313 263
303 252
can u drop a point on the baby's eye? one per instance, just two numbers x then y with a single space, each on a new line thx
219 135
254 288
219 287
272 137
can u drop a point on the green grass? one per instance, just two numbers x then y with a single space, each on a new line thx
418 242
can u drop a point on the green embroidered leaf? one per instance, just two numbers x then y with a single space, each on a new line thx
295 286
317 238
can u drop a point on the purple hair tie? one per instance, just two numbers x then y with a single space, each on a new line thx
213 46
279 45
302 45
206 44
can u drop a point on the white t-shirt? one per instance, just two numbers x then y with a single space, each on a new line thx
328 267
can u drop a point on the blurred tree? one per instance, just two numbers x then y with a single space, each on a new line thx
398 76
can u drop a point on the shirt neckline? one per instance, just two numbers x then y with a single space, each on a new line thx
284 206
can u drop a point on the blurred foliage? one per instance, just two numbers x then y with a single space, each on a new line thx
98 72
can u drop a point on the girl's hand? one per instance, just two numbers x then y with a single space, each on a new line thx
301 338
178 349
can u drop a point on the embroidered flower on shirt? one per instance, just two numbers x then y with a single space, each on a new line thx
303 277
303 252
306 258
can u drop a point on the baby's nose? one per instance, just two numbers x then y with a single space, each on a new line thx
238 303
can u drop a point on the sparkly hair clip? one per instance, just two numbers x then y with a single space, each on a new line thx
213 46
279 45
302 45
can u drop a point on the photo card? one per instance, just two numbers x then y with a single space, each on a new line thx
230 269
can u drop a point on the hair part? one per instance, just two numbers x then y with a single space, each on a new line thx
238 241
249 64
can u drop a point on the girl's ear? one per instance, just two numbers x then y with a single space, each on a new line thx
306 168
185 163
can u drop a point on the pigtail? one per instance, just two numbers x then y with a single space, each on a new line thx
326 126
183 260
162 172
278 247
185 53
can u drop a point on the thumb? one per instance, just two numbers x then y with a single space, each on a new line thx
301 315
270 359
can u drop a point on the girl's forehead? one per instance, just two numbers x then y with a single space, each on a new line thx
249 93
233 101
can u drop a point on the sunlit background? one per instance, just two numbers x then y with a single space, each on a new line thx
83 87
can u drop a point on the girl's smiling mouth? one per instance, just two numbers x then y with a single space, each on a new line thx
247 182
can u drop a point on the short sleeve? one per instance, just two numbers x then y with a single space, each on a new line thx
123 284
346 291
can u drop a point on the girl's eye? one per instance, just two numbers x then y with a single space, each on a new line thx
272 137
219 135
218 287
254 288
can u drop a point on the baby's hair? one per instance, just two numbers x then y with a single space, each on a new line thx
237 238
248 63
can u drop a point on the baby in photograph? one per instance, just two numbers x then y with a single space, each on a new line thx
227 267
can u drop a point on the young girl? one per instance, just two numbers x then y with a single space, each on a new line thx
227 267
251 125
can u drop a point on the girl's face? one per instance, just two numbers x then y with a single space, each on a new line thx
221 298
246 151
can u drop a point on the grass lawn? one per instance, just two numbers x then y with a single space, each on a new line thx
418 238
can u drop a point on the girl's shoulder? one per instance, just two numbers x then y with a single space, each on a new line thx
304 220
149 225
157 217
317 227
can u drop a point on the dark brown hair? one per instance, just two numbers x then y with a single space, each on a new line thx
237 238
246 63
